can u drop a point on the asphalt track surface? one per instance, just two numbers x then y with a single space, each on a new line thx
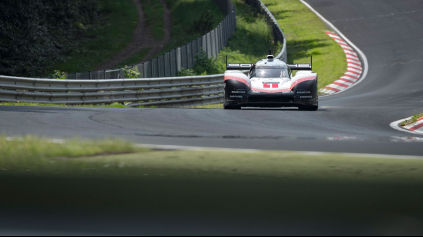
389 32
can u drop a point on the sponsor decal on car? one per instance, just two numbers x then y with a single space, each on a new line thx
303 92
270 84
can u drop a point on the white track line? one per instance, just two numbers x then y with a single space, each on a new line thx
362 55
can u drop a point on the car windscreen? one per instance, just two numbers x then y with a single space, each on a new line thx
270 73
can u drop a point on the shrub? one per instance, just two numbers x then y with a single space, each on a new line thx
59 75
186 72
131 72
36 33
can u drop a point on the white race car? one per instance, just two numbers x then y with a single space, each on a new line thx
270 83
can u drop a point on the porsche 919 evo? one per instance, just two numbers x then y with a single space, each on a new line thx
270 83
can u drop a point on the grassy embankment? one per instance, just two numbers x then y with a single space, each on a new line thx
154 12
120 18
208 183
413 119
190 20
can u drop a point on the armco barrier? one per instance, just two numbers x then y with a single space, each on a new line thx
165 91
168 91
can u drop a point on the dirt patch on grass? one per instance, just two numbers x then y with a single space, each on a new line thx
142 39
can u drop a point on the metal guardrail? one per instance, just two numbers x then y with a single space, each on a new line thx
166 91
172 91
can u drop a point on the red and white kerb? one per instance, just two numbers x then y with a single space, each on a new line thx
354 69
416 127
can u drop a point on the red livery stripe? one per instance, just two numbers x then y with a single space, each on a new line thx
302 80
242 80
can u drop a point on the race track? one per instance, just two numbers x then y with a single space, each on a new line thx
390 34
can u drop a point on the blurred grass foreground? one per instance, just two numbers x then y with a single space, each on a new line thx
114 176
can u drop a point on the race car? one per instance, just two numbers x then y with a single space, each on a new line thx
269 83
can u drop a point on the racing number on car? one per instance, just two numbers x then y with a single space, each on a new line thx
270 85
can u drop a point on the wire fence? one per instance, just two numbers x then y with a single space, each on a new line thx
170 63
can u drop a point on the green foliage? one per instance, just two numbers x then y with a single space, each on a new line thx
31 150
250 42
204 24
413 119
204 65
131 72
102 41
154 12
186 72
59 75
184 15
35 33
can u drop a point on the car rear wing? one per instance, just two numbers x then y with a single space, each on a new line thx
238 66
302 67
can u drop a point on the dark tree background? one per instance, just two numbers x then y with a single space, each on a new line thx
37 33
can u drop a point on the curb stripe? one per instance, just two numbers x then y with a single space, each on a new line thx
416 127
355 64
333 89
340 84
346 80
354 68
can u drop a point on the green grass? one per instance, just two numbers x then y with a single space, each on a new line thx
250 42
154 12
184 15
305 34
209 183
104 42
413 119
212 106
32 151
114 105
